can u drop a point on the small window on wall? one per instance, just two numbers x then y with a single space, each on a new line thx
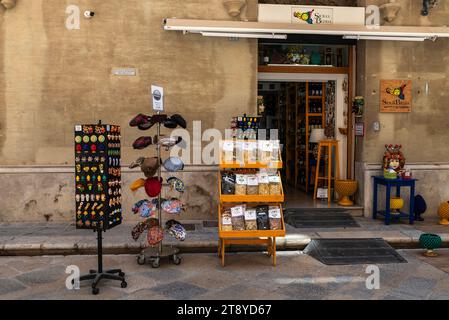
303 54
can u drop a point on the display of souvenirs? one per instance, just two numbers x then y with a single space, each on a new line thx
393 161
245 127
98 193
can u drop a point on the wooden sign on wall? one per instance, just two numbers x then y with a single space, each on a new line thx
395 96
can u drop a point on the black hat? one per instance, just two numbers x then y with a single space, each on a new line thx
179 120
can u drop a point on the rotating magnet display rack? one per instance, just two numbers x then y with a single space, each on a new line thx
98 192
153 253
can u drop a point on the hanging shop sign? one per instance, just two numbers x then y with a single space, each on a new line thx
395 96
158 98
311 15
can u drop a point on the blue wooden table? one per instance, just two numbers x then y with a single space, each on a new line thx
398 183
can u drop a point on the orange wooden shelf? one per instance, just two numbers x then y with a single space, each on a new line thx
251 233
257 165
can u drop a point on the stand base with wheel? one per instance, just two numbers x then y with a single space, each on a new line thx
98 275
153 255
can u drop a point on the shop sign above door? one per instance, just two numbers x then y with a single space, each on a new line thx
396 96
312 15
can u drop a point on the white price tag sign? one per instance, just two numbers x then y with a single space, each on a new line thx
241 179
263 179
250 214
226 220
237 211
252 180
274 179
274 213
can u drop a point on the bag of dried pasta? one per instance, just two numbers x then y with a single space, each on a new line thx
252 187
275 184
264 183
240 184
274 216
250 219
238 218
226 221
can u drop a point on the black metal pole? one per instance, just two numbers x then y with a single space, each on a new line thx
100 250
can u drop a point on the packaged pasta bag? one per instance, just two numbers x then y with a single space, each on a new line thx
252 147
238 218
262 178
241 182
227 149
227 183
252 187
240 152
265 150
262 217
275 155
226 221
250 219
275 184
274 217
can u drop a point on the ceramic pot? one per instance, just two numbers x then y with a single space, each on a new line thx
430 242
396 204
234 7
443 212
346 189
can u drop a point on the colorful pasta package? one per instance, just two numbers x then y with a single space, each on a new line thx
264 183
275 184
274 217
252 185
226 221
240 184
228 183
265 151
262 217
250 219
227 148
238 218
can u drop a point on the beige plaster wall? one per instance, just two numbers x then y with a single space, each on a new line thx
52 78
424 132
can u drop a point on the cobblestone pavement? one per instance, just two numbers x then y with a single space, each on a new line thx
246 276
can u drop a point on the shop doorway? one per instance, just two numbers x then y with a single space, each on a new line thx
301 107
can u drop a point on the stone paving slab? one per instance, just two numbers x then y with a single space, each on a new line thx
247 276
64 238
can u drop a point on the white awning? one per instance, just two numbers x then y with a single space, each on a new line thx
240 29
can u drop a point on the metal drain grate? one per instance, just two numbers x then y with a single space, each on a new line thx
353 251
319 218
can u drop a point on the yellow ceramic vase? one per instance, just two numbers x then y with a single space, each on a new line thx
346 189
396 204
443 212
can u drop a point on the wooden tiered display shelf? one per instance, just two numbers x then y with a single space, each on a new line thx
249 237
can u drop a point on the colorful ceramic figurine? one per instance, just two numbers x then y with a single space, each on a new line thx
393 161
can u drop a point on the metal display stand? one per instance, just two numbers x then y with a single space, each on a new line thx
154 254
98 190
98 275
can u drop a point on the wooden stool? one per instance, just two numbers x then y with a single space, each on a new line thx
329 144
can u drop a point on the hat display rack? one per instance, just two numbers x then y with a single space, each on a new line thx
98 189
156 249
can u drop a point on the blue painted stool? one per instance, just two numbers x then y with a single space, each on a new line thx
398 183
